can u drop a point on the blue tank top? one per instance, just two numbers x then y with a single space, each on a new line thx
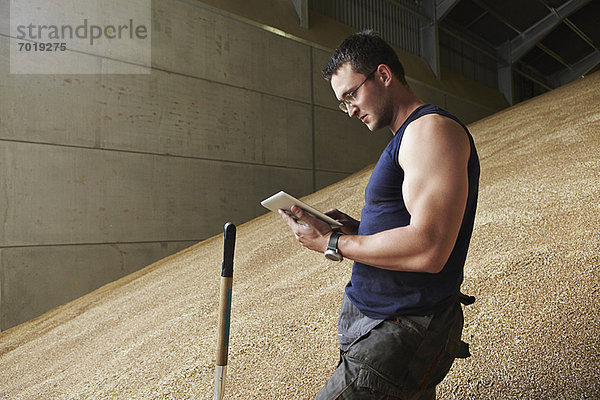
380 293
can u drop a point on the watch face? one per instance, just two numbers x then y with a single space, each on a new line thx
333 256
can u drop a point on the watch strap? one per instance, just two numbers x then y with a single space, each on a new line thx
333 241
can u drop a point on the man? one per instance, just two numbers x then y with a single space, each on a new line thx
400 321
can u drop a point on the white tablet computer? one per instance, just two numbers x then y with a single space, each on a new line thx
285 201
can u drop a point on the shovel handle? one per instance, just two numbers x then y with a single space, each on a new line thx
224 310
228 248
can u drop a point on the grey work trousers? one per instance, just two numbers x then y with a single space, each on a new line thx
400 359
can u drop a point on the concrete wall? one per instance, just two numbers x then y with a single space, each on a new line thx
104 174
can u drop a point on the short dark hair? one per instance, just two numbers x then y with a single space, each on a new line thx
364 51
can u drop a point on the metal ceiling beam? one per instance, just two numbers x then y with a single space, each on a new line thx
499 17
301 7
443 7
410 10
573 27
553 54
580 33
477 19
541 81
505 82
434 11
577 70
513 50
430 39
506 48
458 34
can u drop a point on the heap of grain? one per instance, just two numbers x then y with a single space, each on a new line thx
533 266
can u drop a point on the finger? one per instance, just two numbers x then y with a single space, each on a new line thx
287 218
316 224
334 213
305 216
338 216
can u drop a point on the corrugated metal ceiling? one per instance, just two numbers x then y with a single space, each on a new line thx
541 44
561 51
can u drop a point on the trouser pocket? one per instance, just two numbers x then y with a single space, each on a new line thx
439 349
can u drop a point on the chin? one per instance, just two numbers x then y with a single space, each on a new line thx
373 126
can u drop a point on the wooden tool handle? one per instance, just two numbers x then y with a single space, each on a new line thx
224 320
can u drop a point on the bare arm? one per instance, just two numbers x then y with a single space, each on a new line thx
434 155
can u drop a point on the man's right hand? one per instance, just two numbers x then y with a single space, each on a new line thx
350 225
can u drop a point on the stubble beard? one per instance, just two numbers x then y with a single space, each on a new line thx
381 117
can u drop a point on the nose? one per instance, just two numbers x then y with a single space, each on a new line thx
352 109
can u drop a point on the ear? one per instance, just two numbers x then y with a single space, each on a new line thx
385 74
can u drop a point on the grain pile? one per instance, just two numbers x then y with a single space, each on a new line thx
533 267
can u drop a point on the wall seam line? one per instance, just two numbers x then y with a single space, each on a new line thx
25 246
149 153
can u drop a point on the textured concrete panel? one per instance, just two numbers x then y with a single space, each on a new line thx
58 195
467 111
428 94
345 144
183 116
158 113
192 40
37 279
323 94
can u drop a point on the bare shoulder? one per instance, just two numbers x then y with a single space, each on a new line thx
437 126
434 135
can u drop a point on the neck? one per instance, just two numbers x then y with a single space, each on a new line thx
407 103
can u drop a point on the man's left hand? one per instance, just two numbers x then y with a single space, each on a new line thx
314 234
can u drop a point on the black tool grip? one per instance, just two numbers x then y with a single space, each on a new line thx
228 248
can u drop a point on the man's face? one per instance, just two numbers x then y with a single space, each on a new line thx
366 103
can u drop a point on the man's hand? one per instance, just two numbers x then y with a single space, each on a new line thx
314 234
350 225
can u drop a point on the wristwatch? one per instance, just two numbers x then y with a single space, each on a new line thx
332 253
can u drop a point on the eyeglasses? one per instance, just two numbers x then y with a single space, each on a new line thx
349 99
